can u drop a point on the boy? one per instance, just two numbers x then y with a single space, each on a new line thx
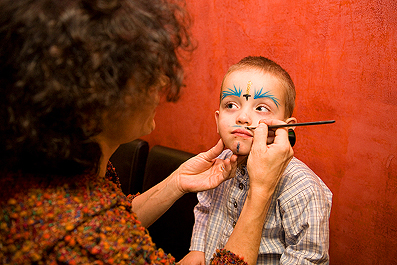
296 230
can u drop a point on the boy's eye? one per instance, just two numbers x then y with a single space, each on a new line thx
262 109
230 105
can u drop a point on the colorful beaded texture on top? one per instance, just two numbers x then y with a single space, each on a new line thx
225 257
80 220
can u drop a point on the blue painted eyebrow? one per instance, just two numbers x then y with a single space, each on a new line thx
232 92
260 94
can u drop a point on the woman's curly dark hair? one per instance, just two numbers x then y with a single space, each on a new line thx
64 62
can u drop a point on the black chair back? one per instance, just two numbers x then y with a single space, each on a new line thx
173 230
129 160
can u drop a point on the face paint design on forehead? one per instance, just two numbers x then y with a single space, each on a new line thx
258 94
267 94
231 92
247 94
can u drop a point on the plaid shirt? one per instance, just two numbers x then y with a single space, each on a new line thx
296 230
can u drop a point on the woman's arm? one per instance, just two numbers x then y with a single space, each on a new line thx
273 159
204 172
199 173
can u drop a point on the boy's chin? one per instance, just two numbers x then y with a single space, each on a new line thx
241 153
240 150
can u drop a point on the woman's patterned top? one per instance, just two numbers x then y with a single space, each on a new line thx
76 220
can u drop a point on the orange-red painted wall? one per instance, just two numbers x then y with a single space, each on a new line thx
342 56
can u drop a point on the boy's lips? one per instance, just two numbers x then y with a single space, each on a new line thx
242 133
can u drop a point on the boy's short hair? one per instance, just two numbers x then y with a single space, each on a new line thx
268 66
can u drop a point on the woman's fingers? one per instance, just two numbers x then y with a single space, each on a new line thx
266 163
228 167
214 152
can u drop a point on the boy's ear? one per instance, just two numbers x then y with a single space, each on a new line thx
217 120
291 120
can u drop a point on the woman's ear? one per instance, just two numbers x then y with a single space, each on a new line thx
152 97
129 100
155 95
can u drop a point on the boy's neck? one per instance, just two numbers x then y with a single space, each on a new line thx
241 160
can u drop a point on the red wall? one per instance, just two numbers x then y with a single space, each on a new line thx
342 56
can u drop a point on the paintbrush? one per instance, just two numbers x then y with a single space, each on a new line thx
293 124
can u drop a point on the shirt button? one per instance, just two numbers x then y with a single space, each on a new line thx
241 186
234 224
235 204
243 171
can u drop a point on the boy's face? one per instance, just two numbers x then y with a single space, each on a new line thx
248 96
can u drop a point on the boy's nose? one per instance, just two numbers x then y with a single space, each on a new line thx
244 118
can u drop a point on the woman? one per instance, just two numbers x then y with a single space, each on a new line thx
78 78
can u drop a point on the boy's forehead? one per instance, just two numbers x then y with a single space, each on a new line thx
251 79
241 76
254 84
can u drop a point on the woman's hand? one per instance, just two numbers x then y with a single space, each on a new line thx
205 171
202 172
193 258
266 163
